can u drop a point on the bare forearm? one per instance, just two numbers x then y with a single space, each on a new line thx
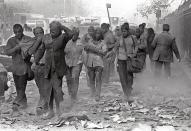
10 52
34 48
67 30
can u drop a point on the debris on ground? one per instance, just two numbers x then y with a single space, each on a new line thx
165 128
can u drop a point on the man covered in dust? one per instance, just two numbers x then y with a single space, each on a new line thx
19 65
55 65
109 60
164 45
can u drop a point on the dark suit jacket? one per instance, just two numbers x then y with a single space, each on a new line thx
55 56
165 45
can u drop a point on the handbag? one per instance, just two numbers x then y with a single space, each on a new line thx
136 63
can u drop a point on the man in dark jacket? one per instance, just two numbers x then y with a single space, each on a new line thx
55 65
164 45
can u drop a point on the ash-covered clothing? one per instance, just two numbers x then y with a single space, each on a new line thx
19 70
109 40
19 66
150 49
55 65
165 45
94 59
85 40
55 56
72 78
124 59
73 53
126 78
130 41
20 83
41 82
95 77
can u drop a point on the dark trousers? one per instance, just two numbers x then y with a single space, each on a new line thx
56 92
72 79
158 68
20 83
95 78
43 88
126 78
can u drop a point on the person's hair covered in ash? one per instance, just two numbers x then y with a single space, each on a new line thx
125 26
17 26
56 24
166 27
75 30
105 25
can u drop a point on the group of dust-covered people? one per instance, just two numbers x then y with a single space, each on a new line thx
62 53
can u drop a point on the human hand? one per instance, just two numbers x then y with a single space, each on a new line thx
17 47
110 54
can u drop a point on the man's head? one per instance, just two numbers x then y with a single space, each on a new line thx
166 27
141 28
91 31
125 30
105 27
138 33
98 34
18 31
76 32
150 31
38 31
144 25
55 29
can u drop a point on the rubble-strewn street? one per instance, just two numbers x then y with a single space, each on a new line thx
165 107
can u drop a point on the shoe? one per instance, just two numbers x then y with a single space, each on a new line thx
97 98
48 115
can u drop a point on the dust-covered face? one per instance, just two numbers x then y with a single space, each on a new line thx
55 31
18 32
38 32
75 36
125 33
91 32
98 35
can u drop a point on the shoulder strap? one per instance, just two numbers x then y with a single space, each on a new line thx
124 45
133 41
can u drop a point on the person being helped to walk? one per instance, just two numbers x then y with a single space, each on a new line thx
164 45
55 65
